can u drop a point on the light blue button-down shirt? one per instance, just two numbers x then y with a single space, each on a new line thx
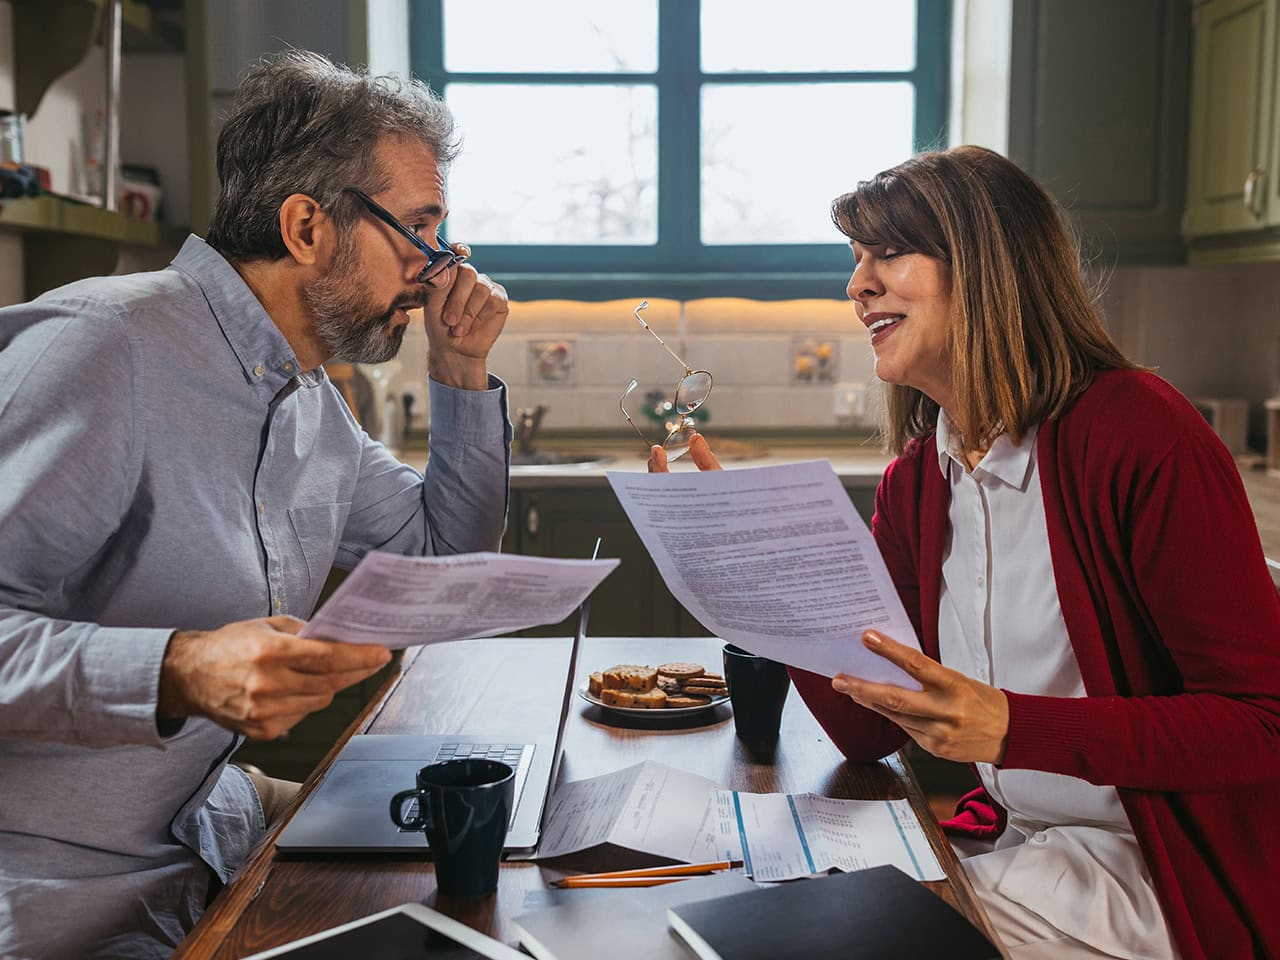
163 466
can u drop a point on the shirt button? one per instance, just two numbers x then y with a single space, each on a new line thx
259 370
287 368
278 604
982 581
1040 837
262 507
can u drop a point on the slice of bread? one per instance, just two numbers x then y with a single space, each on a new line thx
646 699
595 683
628 676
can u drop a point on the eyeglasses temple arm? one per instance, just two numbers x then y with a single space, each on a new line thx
643 438
654 334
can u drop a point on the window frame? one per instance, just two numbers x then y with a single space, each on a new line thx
679 265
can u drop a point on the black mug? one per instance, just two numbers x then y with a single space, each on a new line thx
758 689
464 806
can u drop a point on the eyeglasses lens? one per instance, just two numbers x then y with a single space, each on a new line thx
692 392
678 440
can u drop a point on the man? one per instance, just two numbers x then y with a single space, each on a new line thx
177 476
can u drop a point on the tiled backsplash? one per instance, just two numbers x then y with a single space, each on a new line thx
775 364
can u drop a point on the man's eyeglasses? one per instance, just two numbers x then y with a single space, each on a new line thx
691 393
438 261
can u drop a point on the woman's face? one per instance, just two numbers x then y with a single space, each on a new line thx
904 298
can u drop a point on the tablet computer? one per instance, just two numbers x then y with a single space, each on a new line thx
407 932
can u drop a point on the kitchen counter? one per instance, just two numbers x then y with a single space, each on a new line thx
859 465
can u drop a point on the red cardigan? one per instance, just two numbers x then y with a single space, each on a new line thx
1175 622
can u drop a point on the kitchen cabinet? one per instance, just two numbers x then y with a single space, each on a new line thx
1233 197
1098 115
1233 72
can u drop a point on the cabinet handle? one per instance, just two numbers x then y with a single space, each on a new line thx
1253 192
531 520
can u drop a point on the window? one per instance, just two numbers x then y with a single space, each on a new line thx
676 147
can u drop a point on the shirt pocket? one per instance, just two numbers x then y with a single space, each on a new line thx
318 531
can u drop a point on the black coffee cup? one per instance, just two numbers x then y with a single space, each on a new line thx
464 807
758 689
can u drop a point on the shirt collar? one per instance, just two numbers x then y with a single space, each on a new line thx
1006 461
264 354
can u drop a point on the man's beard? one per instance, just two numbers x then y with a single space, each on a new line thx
340 302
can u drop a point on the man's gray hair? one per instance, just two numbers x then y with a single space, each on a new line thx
302 124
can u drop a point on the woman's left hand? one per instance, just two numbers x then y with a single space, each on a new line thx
954 717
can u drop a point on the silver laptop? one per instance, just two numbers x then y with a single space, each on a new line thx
347 812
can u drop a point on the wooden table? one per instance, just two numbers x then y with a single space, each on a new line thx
517 684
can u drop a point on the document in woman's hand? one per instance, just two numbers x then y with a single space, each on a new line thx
773 559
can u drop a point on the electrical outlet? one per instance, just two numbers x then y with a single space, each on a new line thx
850 402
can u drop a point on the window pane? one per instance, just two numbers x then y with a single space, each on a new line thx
806 36
550 36
774 156
551 164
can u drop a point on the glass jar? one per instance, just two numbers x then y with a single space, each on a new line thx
11 125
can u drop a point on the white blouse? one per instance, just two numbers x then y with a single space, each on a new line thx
1070 854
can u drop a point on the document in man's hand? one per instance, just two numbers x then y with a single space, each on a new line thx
399 601
774 560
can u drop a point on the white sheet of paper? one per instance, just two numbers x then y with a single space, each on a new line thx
648 807
784 836
400 601
773 559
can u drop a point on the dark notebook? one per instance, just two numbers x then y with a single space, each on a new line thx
878 913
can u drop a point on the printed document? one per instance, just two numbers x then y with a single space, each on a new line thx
399 601
670 813
783 836
774 560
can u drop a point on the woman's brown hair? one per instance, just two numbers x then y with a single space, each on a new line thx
1024 336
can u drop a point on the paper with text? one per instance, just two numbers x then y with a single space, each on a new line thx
773 559
648 807
783 836
399 601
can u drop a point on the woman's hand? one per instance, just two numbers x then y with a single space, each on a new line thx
954 717
699 450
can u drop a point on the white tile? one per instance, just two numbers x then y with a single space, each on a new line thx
507 359
749 360
604 361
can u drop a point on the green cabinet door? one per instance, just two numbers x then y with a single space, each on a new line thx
1233 78
1098 115
564 522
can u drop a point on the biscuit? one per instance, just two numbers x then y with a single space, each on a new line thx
714 677
693 690
628 676
647 699
683 701
682 670
668 685
595 683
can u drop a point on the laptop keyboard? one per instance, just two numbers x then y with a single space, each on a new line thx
514 755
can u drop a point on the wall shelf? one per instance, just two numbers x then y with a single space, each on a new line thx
54 215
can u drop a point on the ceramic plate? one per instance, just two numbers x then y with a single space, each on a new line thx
586 695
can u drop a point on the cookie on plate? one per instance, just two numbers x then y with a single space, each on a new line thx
696 690
681 670
687 701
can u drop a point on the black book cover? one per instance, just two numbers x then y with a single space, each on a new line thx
880 913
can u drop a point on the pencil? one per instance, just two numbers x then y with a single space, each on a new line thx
679 871
571 882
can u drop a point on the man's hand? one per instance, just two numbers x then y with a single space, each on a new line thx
257 677
463 320
954 717
699 450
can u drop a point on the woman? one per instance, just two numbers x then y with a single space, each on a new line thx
1074 547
